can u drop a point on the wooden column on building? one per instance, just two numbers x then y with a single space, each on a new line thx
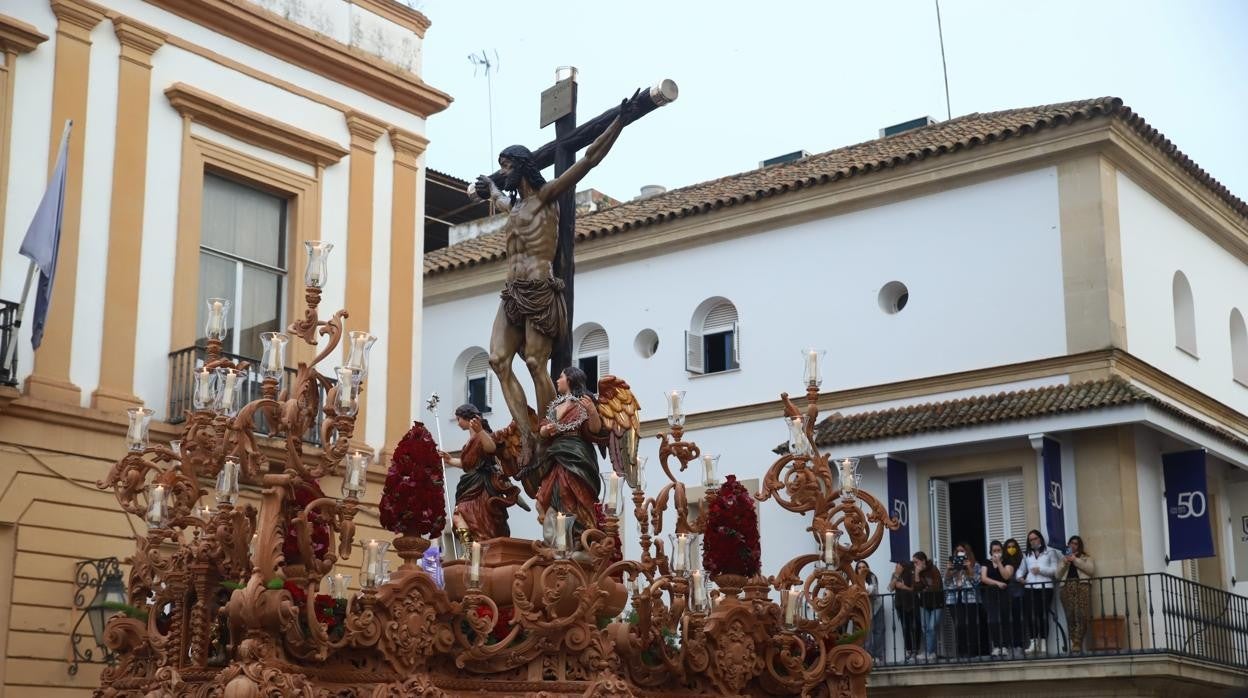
404 278
16 37
75 20
125 226
364 134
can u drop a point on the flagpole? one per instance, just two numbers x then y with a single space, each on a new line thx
11 350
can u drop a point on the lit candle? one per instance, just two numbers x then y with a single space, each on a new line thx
227 482
372 562
675 408
613 494
699 589
829 548
680 559
346 386
156 507
474 566
204 380
338 585
790 607
251 547
561 534
812 367
227 392
847 477
708 467
216 319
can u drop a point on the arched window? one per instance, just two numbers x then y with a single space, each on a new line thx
713 343
1239 347
477 381
1184 314
592 353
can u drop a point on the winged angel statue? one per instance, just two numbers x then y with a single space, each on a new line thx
564 477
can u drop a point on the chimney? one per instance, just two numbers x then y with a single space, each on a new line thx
650 191
784 159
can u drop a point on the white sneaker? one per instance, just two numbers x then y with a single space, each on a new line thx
1031 647
997 651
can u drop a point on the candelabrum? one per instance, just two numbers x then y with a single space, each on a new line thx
223 596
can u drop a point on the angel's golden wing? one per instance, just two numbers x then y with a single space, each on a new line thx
621 419
509 445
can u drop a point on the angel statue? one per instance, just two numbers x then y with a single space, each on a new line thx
565 476
484 492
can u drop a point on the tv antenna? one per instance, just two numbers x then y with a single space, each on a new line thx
483 62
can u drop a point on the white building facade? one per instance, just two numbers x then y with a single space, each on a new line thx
993 292
211 140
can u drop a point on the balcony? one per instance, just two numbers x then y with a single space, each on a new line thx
182 366
1149 625
9 326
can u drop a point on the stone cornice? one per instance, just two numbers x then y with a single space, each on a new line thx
18 36
247 23
364 130
407 146
398 13
250 127
138 41
76 18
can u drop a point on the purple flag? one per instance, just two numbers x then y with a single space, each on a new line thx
43 237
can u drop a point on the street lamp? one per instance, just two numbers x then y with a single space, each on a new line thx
104 576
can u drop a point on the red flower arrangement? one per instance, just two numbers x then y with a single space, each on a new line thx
326 606
503 626
304 494
731 543
414 501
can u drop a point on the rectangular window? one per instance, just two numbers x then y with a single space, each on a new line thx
242 257
719 352
589 364
477 393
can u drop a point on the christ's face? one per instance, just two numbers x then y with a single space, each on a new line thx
511 173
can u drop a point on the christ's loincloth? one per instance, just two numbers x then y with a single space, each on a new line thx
539 301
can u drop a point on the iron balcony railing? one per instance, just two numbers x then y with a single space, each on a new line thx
182 366
9 326
1145 614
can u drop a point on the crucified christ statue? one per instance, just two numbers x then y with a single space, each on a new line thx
532 314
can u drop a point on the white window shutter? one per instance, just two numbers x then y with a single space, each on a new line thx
694 353
596 343
1017 502
604 365
995 509
938 495
721 319
736 345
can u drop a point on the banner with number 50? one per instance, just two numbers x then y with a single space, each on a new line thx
1187 505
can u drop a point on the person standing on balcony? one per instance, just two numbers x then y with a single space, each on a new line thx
1075 571
905 605
874 644
994 582
1040 573
1015 629
931 598
962 580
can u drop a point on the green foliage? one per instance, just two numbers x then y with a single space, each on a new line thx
275 583
127 609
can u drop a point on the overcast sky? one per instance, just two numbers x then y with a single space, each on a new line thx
761 79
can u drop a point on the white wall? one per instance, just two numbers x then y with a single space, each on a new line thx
1157 242
982 264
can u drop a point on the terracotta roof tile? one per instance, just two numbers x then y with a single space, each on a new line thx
1001 407
962 133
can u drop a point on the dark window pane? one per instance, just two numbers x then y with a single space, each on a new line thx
718 348
476 393
589 364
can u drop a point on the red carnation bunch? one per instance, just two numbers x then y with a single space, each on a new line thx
414 501
731 544
304 494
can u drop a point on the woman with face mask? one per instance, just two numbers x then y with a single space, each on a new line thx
994 585
1014 632
1040 565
